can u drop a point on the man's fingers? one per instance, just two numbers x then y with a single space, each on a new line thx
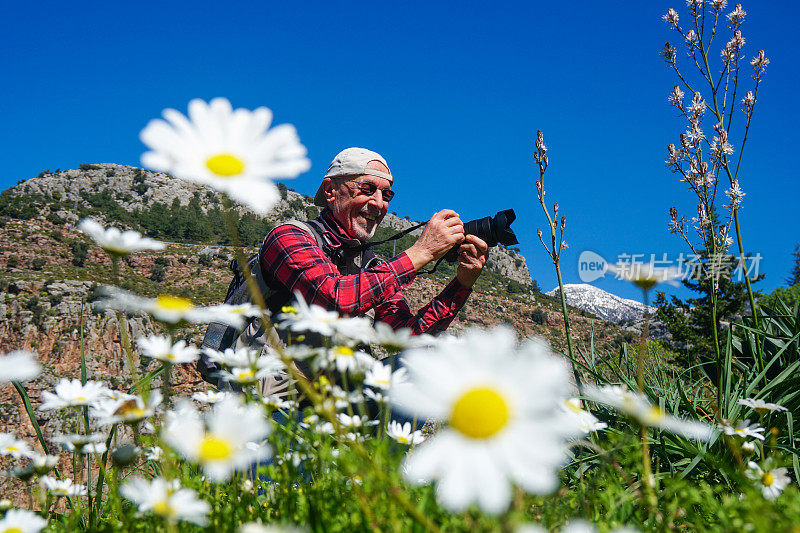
479 243
446 213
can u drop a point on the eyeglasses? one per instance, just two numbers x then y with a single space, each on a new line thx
365 187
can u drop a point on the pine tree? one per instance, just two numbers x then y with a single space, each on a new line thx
794 276
690 321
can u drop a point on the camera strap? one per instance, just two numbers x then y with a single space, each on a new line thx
368 245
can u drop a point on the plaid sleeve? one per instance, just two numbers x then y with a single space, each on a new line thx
432 318
291 258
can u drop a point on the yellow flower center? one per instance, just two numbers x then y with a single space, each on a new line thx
343 351
480 413
163 508
81 399
246 376
767 479
173 303
645 283
573 406
225 165
402 439
12 448
288 309
214 448
13 530
653 416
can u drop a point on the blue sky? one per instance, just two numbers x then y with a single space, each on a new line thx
451 94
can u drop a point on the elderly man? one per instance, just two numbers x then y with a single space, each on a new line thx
332 269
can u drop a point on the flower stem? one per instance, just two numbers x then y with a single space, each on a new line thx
647 473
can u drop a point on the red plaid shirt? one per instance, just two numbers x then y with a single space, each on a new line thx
291 258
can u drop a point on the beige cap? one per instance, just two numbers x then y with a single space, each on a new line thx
352 162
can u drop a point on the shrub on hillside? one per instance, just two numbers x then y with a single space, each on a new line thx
158 273
79 252
539 316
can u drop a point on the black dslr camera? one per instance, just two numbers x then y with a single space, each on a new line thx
493 230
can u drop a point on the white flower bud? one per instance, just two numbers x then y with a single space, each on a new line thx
671 17
760 62
737 14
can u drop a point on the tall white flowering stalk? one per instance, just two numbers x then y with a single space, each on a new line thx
713 106
557 242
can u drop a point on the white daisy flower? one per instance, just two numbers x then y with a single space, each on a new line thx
77 441
70 393
42 464
246 357
153 453
169 309
93 447
645 275
244 376
16 448
112 394
761 406
504 427
62 487
394 341
402 433
748 447
246 366
376 395
345 359
304 317
638 407
161 348
743 429
116 242
276 402
772 481
21 521
381 376
231 438
18 365
247 310
586 421
355 421
233 151
353 330
125 411
166 499
210 396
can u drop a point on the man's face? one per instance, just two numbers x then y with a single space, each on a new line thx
358 213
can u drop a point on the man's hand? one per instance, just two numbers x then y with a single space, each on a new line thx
471 258
443 231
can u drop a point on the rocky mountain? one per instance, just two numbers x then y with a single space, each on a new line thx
629 314
100 189
601 303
